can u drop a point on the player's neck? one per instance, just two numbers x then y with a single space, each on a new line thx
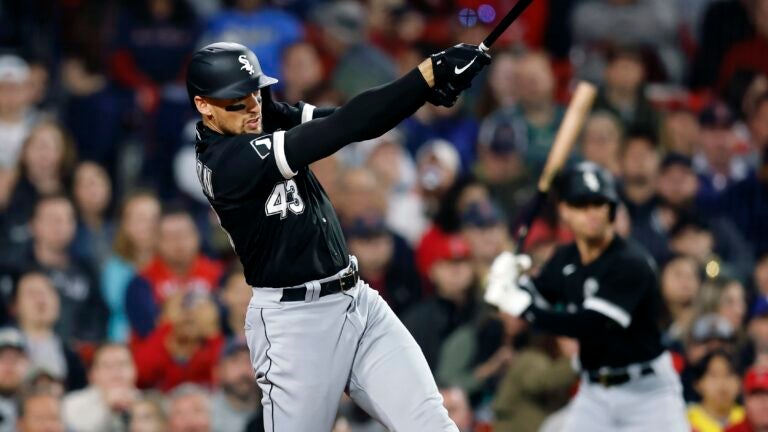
591 249
209 124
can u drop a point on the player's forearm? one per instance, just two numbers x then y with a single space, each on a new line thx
366 116
576 325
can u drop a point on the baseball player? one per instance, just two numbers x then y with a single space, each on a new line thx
314 329
603 291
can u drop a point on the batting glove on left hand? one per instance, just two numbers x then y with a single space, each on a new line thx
454 70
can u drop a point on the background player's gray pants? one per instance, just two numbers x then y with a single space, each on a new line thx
306 353
648 403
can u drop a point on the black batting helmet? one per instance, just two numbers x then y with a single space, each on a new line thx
225 70
587 183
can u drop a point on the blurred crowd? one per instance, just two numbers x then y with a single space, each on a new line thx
122 305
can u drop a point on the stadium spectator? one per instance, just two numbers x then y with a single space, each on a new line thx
92 193
755 352
483 227
716 164
301 70
432 124
476 355
755 388
36 308
500 166
677 188
623 91
236 399
395 170
83 315
14 365
385 261
680 285
537 384
499 92
154 73
178 269
640 165
360 193
601 141
45 166
17 115
717 382
724 24
355 64
184 347
189 409
437 170
40 412
709 333
134 246
760 276
234 297
601 24
536 108
266 30
748 55
454 301
455 401
106 403
681 131
148 415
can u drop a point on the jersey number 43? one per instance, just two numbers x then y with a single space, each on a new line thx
284 198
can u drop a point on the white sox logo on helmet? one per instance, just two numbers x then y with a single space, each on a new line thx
590 179
247 66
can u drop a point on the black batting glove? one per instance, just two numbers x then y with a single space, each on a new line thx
454 69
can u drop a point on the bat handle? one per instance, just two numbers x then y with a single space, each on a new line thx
483 47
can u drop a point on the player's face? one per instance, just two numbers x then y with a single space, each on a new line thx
590 222
233 116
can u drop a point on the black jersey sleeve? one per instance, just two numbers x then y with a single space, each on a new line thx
366 116
621 291
546 288
282 115
580 324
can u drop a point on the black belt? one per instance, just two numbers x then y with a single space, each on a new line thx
344 283
609 379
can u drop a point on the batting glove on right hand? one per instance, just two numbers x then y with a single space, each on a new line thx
502 289
454 70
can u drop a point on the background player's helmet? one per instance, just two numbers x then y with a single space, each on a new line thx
587 183
225 70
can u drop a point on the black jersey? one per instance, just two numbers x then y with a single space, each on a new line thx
280 223
622 285
278 217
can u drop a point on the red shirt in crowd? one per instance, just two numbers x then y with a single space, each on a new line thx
156 367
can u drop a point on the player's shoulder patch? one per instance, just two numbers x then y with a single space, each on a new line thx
262 146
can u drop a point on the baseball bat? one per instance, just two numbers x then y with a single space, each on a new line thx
570 127
505 22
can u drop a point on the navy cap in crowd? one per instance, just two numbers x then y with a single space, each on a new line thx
716 116
233 346
482 214
366 226
676 159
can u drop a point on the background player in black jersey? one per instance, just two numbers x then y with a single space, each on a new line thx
313 328
603 291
